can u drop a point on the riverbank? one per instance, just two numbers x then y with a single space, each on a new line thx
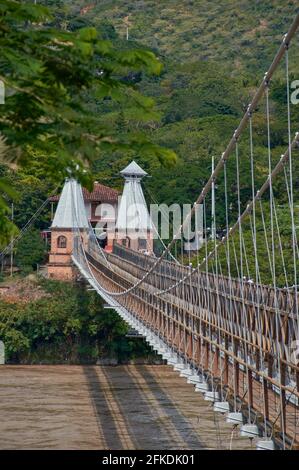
92 407
52 322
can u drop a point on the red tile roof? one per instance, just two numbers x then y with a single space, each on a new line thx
100 193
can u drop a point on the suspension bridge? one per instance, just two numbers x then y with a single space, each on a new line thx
229 326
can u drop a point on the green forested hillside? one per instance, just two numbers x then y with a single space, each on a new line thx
245 33
214 55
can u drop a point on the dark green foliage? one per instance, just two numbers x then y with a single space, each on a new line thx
31 250
48 71
68 325
51 76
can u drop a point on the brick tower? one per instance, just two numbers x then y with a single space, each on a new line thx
70 214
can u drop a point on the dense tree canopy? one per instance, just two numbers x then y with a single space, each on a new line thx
51 76
64 324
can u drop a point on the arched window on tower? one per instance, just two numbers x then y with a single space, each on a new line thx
61 241
142 242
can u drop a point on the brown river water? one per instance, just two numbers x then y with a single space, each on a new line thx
96 407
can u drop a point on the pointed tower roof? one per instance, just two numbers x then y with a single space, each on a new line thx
133 169
70 211
132 212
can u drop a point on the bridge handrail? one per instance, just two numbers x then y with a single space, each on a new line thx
133 257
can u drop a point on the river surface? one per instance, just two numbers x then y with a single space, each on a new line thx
96 407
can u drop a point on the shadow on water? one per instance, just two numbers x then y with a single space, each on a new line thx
178 420
150 417
153 418
142 420
105 421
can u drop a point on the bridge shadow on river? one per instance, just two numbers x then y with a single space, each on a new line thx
94 407
141 412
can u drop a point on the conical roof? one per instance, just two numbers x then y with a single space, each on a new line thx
133 169
70 211
133 214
